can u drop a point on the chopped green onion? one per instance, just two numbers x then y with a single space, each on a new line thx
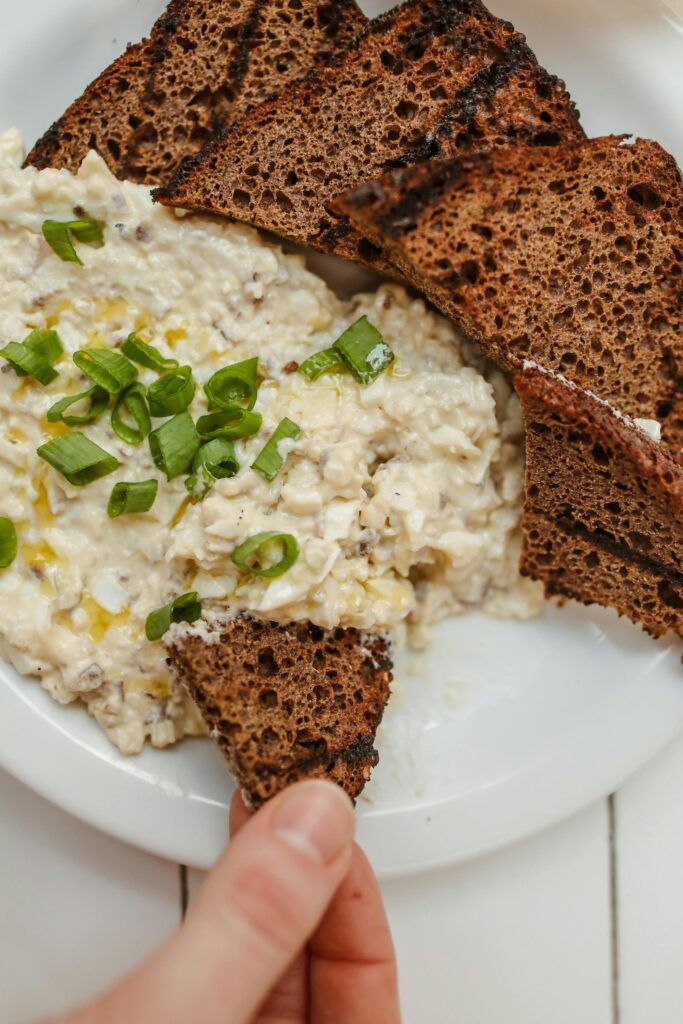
327 361
174 445
58 233
131 401
109 369
231 424
98 400
47 344
364 351
78 459
35 355
270 460
187 608
27 363
214 461
259 547
8 542
128 499
199 483
171 393
233 385
146 355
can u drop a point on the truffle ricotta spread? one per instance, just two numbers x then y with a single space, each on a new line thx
403 495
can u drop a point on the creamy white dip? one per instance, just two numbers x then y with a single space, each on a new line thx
404 496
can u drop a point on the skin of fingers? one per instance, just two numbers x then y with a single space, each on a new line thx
353 974
353 941
288 1001
251 920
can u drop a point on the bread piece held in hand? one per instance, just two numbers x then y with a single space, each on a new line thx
287 702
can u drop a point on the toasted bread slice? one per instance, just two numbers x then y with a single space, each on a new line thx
603 516
205 64
430 77
571 256
287 703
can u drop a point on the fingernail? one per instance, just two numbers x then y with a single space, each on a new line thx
316 818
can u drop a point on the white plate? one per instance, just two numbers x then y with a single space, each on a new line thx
502 728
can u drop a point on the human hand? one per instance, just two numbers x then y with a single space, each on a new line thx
289 928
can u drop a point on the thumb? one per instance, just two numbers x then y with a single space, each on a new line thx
254 915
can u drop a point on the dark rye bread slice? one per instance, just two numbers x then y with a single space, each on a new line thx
429 77
571 256
205 64
603 513
287 703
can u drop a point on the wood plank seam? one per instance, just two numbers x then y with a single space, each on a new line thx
614 906
184 891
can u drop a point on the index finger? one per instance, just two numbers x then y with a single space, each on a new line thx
353 965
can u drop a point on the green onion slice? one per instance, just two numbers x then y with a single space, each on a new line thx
171 393
231 424
8 542
327 361
187 608
35 355
132 402
174 445
214 461
46 344
233 385
78 458
109 369
26 363
58 234
130 498
146 355
261 547
364 351
199 483
97 398
270 459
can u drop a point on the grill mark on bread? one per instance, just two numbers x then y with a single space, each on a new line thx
240 63
359 752
160 38
479 91
602 539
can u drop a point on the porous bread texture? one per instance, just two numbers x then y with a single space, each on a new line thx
432 77
571 256
287 703
603 512
205 64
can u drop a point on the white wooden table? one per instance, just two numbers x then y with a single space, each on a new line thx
580 925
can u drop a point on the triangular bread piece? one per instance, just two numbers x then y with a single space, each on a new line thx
429 77
571 256
204 65
603 513
287 702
